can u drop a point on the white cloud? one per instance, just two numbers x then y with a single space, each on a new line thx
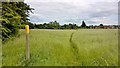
77 1
103 20
96 11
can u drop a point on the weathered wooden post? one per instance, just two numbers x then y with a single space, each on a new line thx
27 42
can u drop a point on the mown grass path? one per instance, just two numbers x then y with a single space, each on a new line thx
74 49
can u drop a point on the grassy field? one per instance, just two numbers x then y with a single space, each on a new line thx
84 47
0 52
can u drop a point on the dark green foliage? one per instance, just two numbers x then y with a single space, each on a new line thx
9 30
50 25
55 25
83 24
31 26
14 16
69 26
101 26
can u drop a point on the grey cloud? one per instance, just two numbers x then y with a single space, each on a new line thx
104 9
92 22
68 12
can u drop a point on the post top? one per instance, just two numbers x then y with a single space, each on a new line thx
27 28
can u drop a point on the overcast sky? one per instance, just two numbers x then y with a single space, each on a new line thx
93 12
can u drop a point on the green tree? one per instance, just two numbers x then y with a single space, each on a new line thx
13 14
53 25
83 24
101 26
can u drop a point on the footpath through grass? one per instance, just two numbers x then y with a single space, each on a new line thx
97 47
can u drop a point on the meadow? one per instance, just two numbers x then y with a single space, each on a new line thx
83 47
0 52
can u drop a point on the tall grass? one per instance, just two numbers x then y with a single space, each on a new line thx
0 52
97 47
64 48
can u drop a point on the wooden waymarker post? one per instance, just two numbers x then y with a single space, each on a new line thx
27 42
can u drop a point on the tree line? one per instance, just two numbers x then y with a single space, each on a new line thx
56 25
